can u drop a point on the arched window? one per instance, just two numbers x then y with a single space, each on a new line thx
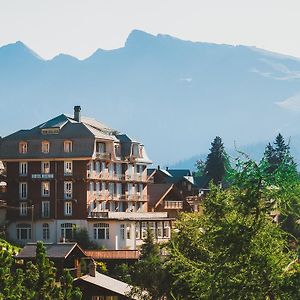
67 230
101 231
24 232
46 232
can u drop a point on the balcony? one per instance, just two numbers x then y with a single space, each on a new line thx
98 215
173 205
135 197
103 155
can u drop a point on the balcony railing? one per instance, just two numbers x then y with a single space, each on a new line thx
173 204
98 215
106 196
103 155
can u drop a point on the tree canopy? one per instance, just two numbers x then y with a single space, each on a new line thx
235 250
216 162
37 281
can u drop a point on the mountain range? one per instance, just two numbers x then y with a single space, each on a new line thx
173 95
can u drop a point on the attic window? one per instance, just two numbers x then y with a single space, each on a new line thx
23 147
50 131
67 146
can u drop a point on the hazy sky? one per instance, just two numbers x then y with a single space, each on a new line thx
79 27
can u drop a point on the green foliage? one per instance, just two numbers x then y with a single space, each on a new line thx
217 161
148 276
81 236
234 250
278 154
200 166
36 282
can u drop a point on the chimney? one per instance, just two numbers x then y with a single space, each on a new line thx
167 168
77 116
92 268
158 167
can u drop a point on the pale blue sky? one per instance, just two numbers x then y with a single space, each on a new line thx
79 27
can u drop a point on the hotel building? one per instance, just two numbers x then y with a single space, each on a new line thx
75 172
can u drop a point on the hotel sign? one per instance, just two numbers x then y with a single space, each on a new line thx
42 176
54 130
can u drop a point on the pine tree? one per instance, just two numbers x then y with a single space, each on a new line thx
215 165
279 154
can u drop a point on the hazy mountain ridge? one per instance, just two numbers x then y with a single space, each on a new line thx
173 95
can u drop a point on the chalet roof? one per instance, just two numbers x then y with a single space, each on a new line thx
113 254
157 191
108 283
179 173
60 250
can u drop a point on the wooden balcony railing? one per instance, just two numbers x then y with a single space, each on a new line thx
173 205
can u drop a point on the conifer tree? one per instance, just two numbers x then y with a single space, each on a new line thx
279 154
215 165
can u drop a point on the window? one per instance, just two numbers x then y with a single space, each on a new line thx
46 232
23 147
67 230
68 167
45 209
101 231
128 231
122 231
45 147
23 209
152 227
159 229
167 230
68 208
45 188
68 146
135 150
144 230
24 232
23 190
91 188
100 147
23 166
45 167
68 189
117 150
137 230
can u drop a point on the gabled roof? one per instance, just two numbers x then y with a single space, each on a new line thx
57 122
108 283
157 192
201 181
179 173
60 250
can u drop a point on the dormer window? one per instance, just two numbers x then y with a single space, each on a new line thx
135 150
68 146
100 147
118 150
23 147
45 147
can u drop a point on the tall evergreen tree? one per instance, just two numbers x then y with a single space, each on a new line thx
215 165
279 154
